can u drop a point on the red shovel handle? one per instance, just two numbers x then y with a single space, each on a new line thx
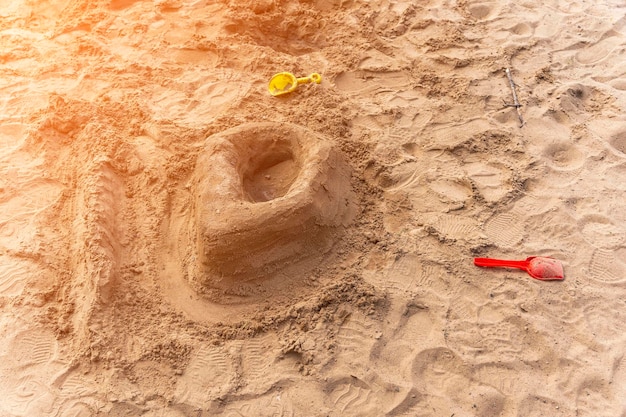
501 263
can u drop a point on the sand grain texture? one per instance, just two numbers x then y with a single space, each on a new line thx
174 241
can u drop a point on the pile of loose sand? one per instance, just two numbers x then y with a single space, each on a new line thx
175 241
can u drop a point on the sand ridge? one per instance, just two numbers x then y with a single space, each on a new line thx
111 109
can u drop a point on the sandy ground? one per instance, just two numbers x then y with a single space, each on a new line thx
174 241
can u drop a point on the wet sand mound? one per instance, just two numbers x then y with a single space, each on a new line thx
268 197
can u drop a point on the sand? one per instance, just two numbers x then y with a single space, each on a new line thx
175 241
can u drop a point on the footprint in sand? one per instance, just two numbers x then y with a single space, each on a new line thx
595 397
72 384
366 82
568 8
262 370
618 142
552 230
600 231
565 161
450 137
26 369
521 29
491 179
611 132
118 5
409 273
600 50
32 347
152 377
376 60
464 308
606 267
78 409
483 10
532 205
619 374
453 227
288 28
403 275
26 395
353 397
12 135
606 331
505 229
14 274
395 171
195 110
276 404
538 405
563 156
209 375
561 308
503 377
618 83
355 338
19 210
445 384
417 327
452 190
255 361
494 332
395 19
375 121
578 100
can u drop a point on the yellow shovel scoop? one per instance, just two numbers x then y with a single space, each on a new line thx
285 82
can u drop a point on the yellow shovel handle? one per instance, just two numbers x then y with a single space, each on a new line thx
313 78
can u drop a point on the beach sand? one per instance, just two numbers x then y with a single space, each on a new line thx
175 241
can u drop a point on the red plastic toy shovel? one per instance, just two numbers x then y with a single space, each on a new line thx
539 267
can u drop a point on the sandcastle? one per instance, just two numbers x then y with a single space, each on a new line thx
268 197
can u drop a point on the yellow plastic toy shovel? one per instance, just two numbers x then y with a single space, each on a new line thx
285 82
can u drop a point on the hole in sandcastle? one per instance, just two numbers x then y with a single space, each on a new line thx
270 174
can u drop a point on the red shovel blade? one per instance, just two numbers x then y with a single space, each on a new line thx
539 267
